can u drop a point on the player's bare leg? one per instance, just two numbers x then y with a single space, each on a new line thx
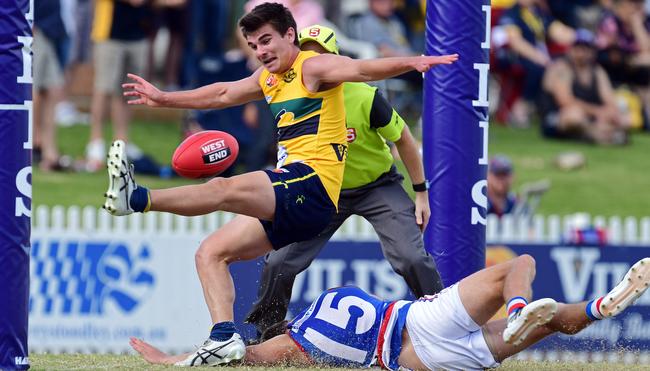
569 319
484 292
249 194
573 318
243 238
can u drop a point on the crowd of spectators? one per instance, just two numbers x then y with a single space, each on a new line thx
582 67
578 69
185 44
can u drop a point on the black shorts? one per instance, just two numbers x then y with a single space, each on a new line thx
302 207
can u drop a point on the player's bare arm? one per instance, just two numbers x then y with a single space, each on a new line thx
214 96
333 69
278 350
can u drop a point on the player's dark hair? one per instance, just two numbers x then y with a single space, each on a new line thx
277 15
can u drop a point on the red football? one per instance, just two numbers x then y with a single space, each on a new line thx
205 154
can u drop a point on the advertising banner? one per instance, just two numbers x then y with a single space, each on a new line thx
91 292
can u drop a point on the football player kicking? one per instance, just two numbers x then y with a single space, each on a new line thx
451 330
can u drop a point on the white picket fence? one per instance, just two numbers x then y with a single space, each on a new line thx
538 229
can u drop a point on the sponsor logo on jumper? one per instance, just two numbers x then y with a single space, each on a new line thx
352 135
289 75
341 150
271 81
21 361
215 151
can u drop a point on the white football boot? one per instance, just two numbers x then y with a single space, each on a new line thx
215 353
530 317
633 285
120 180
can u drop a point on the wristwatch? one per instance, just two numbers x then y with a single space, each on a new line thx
421 187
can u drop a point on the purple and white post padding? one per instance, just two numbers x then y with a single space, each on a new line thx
455 135
15 179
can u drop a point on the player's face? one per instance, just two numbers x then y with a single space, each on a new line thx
273 50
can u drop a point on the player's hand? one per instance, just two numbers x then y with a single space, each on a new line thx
422 210
424 63
143 91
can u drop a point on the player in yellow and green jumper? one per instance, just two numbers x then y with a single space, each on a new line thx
294 202
371 188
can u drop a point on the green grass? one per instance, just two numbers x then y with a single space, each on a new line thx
129 362
615 181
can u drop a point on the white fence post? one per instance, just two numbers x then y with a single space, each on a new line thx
645 231
539 230
57 217
492 229
631 236
554 234
88 219
615 230
73 215
42 220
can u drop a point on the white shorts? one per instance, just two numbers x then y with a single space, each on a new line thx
444 336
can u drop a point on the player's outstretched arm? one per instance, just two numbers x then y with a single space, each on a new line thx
154 355
214 96
278 350
331 68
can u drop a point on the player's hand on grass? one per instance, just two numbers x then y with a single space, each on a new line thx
422 210
143 91
425 62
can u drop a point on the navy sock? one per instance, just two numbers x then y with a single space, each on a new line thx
140 200
222 331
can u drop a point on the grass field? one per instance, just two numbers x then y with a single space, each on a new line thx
615 181
126 362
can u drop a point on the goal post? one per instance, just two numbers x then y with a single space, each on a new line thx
455 132
15 179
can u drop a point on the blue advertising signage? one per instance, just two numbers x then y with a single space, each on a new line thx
565 273
573 274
